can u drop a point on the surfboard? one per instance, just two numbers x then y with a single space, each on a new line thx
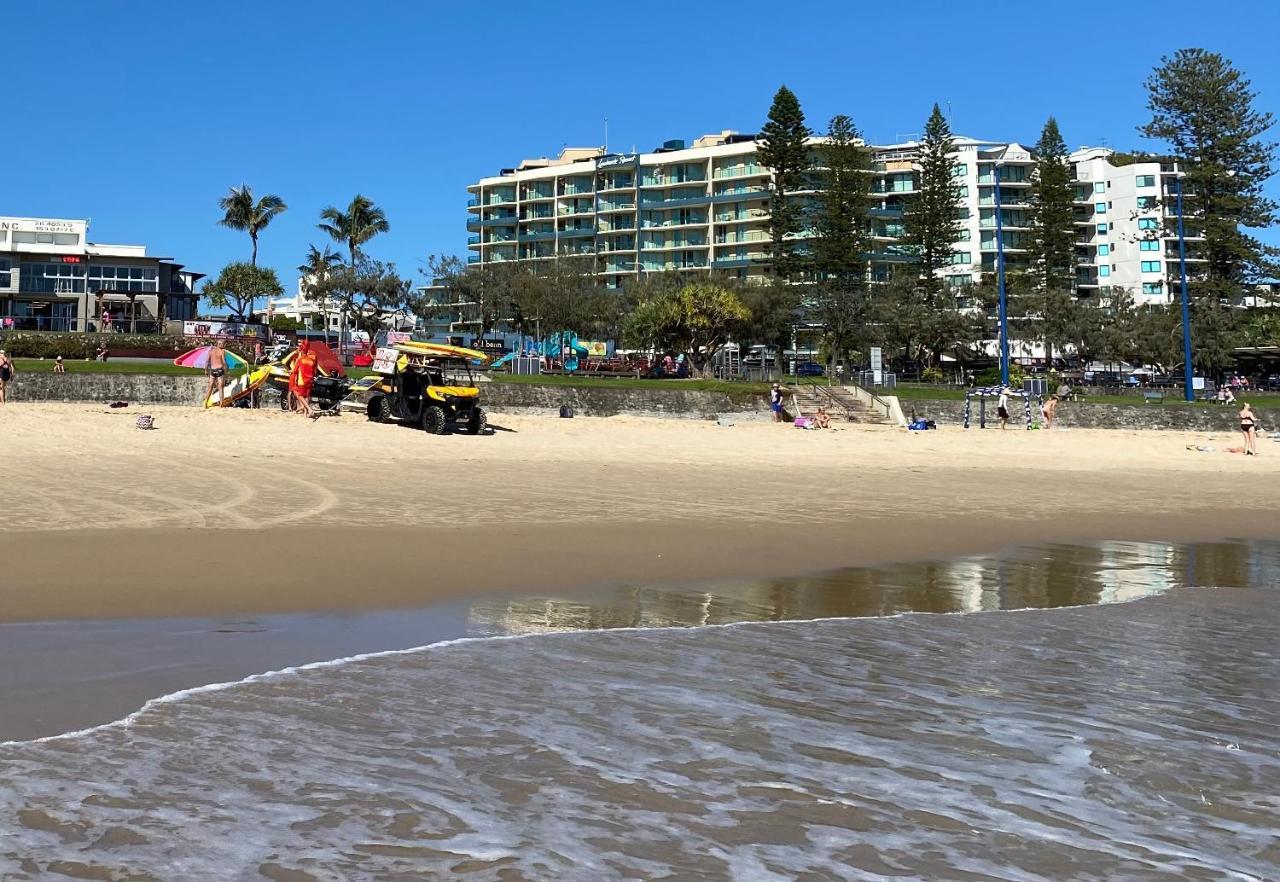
438 350
238 388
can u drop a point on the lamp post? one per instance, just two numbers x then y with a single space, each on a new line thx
1189 393
1004 297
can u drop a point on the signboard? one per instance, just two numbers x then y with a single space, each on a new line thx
398 337
384 361
490 347
877 364
595 349
41 225
214 328
618 160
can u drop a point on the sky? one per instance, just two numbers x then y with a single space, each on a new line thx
140 115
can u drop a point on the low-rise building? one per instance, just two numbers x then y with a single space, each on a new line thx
52 278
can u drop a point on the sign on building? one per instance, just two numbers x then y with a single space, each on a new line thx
211 328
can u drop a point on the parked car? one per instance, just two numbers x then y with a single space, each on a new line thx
809 369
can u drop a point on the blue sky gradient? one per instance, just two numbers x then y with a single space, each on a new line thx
140 115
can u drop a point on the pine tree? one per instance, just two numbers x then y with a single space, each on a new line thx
784 150
930 225
840 249
1053 240
1204 109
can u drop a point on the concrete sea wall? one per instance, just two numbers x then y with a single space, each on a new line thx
603 402
1195 418
134 388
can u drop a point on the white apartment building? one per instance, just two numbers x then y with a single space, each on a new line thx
52 278
706 207
320 315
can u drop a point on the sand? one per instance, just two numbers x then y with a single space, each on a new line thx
224 543
216 513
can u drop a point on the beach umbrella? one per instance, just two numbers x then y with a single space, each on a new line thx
199 358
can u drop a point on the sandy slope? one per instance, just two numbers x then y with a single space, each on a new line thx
101 519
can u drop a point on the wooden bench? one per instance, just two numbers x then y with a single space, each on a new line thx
1152 395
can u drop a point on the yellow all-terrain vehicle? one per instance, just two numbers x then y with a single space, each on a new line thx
427 384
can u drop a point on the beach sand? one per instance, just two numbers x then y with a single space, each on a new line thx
216 513
222 543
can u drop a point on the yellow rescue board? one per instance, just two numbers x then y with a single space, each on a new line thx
239 387
439 350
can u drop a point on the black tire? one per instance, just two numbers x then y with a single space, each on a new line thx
379 409
284 401
433 420
477 422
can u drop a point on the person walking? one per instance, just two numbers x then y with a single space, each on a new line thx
7 372
1249 428
775 402
1002 407
217 370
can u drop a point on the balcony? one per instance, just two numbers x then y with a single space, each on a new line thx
473 240
672 203
741 193
473 202
505 220
473 258
740 171
730 262
578 232
570 210
647 224
538 214
617 226
616 206
535 195
501 199
537 237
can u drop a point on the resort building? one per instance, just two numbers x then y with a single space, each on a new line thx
52 278
705 207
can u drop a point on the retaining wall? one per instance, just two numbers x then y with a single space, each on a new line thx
1193 418
597 401
134 388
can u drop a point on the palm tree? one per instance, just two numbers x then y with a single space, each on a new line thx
358 224
242 213
318 265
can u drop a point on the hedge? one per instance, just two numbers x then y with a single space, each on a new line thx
30 344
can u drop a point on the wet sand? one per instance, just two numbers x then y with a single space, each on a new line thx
220 518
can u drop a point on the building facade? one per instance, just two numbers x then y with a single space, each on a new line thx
52 278
706 207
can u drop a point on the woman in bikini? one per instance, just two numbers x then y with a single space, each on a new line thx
1249 428
6 373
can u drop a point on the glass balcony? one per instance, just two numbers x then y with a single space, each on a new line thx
580 231
473 240
739 171
473 258
473 202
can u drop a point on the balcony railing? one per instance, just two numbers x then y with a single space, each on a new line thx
739 171
473 202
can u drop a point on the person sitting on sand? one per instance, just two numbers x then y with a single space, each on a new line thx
1249 428
822 419
7 372
58 366
1049 410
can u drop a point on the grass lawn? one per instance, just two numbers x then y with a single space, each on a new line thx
45 366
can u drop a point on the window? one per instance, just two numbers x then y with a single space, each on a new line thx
959 170
1148 223
1104 250
1102 229
51 278
1152 288
1151 266
122 278
1145 181
1104 271
902 183
4 272
1148 245
1099 208
1099 186
959 281
961 192
1146 203
962 236
961 257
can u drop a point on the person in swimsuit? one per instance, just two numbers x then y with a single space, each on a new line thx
822 419
1249 428
218 371
1048 410
58 366
301 378
7 372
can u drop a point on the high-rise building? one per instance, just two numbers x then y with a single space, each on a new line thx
705 206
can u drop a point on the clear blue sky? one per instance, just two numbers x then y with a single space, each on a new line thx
140 115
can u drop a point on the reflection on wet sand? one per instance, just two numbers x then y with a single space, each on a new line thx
1039 577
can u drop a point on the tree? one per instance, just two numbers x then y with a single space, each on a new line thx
364 294
319 264
838 301
354 227
480 296
240 285
564 296
929 220
241 212
1204 109
1052 238
696 319
784 150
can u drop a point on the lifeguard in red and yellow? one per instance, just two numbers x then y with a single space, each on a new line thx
301 376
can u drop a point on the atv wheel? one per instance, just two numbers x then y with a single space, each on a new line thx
477 422
433 420
379 409
284 401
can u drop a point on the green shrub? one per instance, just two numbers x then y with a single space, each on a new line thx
932 375
991 376
29 344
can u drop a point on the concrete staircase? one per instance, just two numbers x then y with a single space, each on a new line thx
841 402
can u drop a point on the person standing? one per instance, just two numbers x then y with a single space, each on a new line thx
217 370
1249 428
1002 407
301 378
106 320
7 373
775 402
1049 410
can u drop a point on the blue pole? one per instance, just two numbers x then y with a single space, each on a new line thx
1004 300
1188 391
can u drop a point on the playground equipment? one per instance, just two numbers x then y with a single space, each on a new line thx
564 346
984 392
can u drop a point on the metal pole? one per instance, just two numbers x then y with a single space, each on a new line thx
1004 298
1189 392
